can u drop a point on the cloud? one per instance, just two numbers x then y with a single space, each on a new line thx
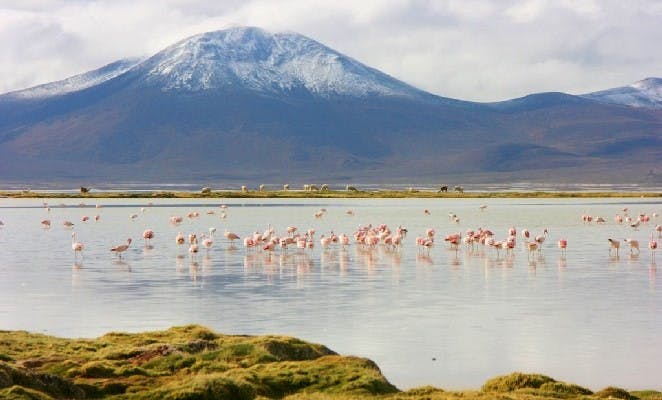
467 49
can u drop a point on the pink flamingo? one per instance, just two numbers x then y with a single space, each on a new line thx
658 228
119 249
85 218
97 218
652 245
148 235
77 247
207 242
525 234
179 239
563 244
46 223
540 239
533 246
325 241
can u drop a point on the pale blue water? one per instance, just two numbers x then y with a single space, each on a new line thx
590 318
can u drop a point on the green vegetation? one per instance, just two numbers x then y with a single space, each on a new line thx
327 194
194 363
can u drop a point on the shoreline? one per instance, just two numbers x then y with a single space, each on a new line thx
193 362
330 194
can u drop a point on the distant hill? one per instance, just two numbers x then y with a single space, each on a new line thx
245 105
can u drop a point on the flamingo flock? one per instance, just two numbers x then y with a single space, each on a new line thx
479 240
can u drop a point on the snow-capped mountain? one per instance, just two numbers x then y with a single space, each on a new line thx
77 82
645 93
245 105
254 59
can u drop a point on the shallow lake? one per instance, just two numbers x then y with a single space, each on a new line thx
449 319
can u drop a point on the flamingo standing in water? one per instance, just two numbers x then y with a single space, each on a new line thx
634 244
46 223
563 244
230 236
614 244
652 244
77 247
148 235
208 241
119 249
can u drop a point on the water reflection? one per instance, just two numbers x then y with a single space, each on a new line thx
380 294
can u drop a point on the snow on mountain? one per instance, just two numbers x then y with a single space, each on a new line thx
77 82
257 60
646 93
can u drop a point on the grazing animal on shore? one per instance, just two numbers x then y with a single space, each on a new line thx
286 187
443 189
459 189
351 188
244 189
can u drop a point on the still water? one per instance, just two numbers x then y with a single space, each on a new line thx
449 319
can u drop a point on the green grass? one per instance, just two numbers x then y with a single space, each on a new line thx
194 363
331 194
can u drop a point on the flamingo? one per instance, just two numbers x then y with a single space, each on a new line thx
85 218
148 235
563 244
525 234
230 236
179 239
540 239
658 228
652 244
325 241
614 244
193 248
634 244
97 217
46 223
68 224
77 247
427 212
119 249
482 207
533 246
207 241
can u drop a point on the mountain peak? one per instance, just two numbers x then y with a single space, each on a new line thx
254 59
645 93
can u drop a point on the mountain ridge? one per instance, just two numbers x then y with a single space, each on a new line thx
239 105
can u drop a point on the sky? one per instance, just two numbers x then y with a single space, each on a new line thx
477 50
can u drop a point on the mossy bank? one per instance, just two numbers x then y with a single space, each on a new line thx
192 362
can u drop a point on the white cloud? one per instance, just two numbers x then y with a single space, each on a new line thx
468 49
